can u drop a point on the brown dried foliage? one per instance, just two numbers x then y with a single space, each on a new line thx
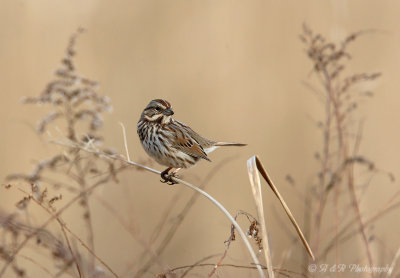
78 108
339 157
75 101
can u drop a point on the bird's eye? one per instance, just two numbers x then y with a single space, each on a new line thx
158 108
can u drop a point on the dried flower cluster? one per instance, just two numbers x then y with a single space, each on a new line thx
75 101
75 98
254 232
339 157
330 60
17 231
83 164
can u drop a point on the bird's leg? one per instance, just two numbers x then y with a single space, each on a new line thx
173 175
174 172
164 175
167 177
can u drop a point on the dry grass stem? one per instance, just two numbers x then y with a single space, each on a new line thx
53 216
252 232
90 148
283 272
38 264
125 143
341 94
71 174
180 217
254 167
257 194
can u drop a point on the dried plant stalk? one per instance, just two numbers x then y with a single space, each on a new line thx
257 194
90 148
254 166
75 101
339 155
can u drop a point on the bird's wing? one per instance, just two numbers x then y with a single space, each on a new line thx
185 142
203 142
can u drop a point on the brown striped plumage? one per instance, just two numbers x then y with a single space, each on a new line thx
170 142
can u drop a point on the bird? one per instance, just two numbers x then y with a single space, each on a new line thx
172 143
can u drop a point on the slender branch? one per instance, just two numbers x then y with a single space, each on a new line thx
65 227
129 229
48 221
42 267
197 263
342 236
284 272
227 214
227 245
350 178
62 229
69 246
193 187
180 217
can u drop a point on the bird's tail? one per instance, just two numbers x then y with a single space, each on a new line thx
220 144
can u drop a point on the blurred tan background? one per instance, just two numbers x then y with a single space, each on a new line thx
233 71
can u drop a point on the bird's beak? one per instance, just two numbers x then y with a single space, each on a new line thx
168 112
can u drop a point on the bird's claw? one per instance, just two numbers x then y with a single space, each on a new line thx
167 178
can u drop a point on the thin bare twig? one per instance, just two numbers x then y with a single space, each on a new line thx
197 263
42 267
49 220
65 228
284 272
253 231
87 148
180 217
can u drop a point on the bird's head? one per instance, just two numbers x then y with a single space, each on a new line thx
158 110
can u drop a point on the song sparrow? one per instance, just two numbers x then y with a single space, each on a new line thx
170 142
